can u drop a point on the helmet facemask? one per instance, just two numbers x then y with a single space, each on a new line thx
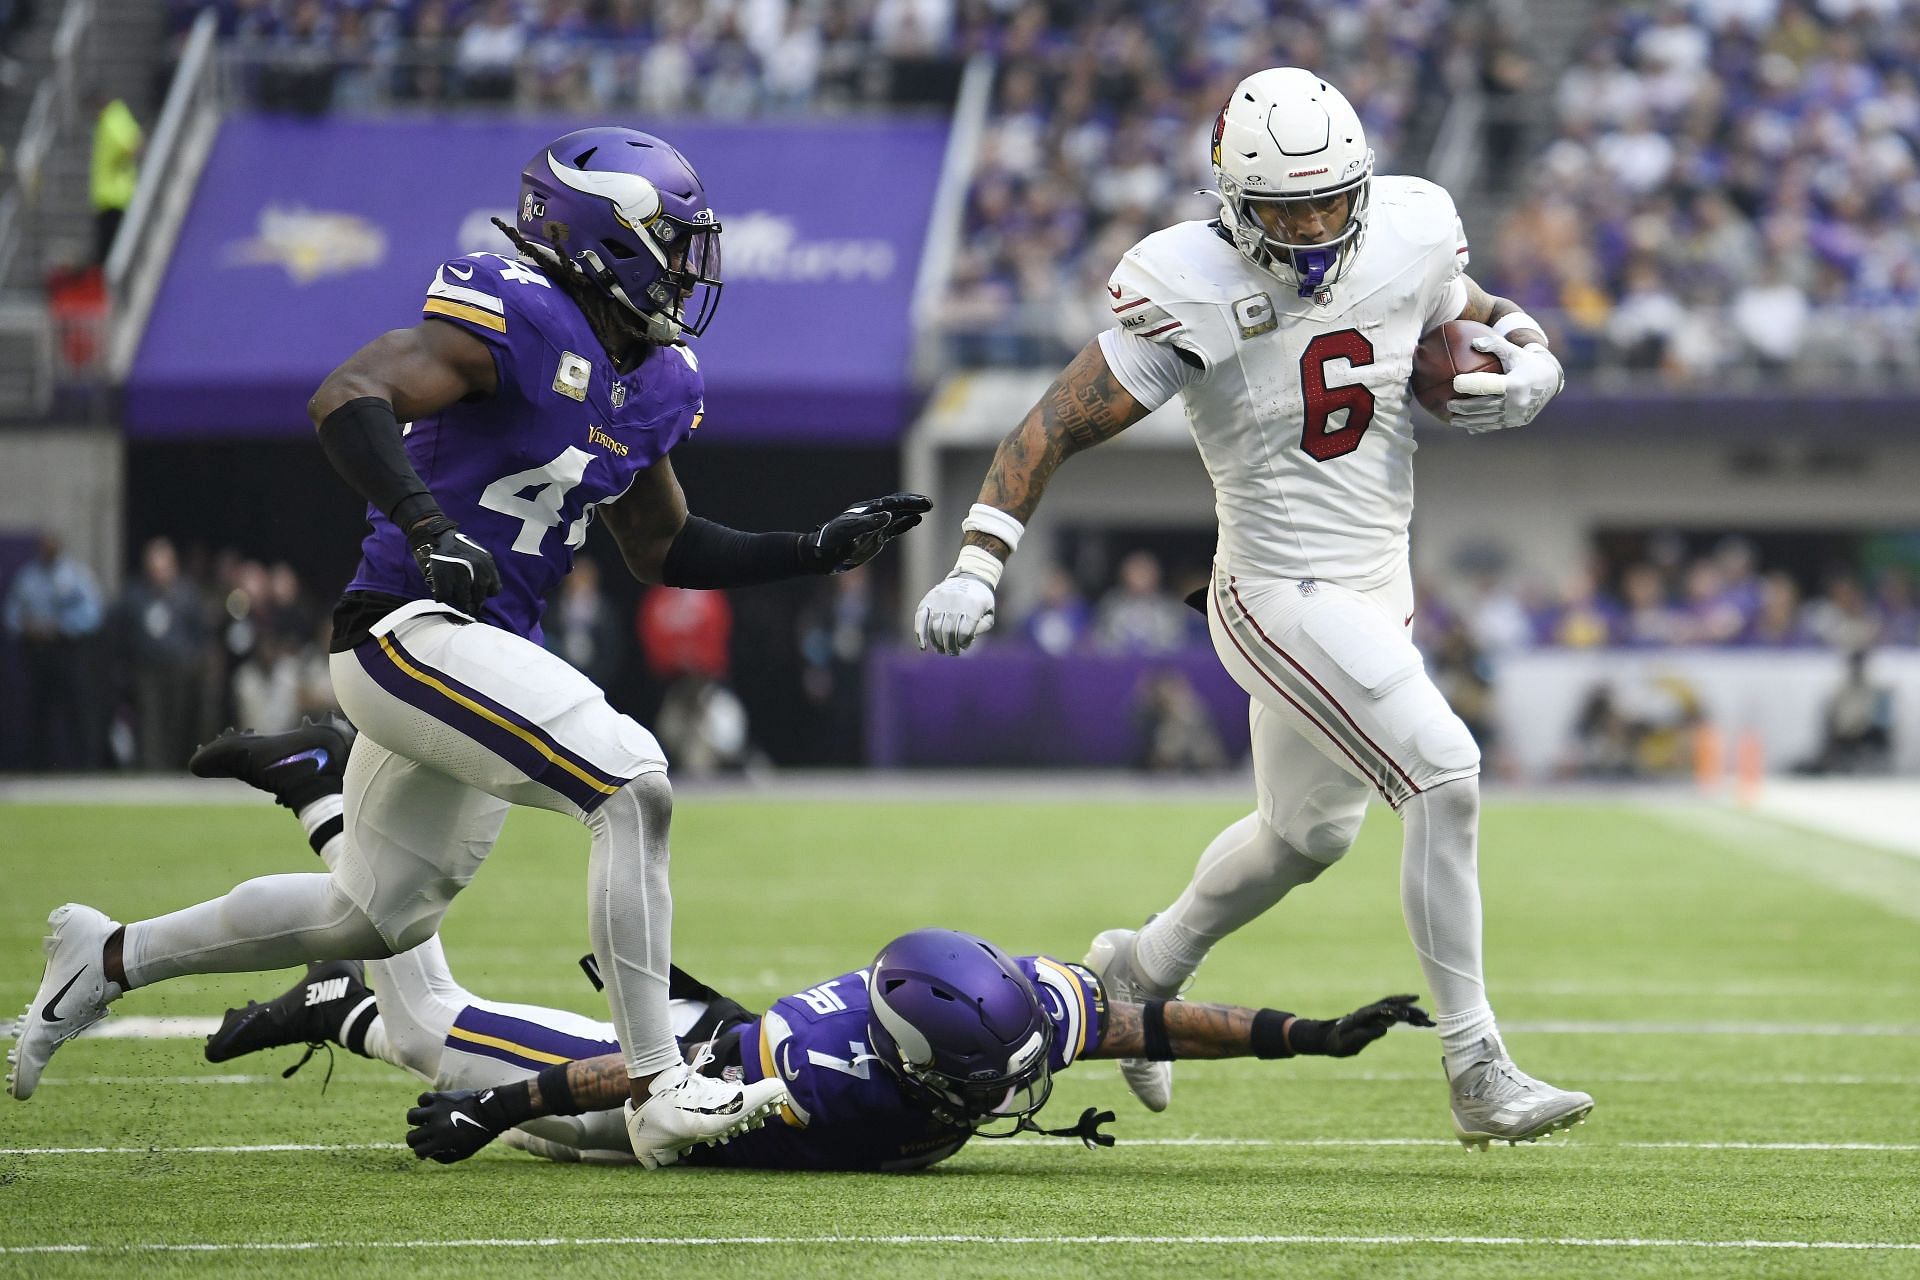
996 1107
1263 240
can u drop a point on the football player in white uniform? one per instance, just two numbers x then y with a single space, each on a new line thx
1287 327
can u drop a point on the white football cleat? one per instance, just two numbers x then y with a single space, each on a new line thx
72 996
1495 1101
686 1109
1111 959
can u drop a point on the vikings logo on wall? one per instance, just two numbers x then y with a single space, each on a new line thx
311 244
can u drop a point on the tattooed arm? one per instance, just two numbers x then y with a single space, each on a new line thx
1485 308
1085 405
1196 1030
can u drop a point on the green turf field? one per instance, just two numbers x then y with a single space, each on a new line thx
1751 1034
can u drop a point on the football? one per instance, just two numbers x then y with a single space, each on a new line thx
1443 353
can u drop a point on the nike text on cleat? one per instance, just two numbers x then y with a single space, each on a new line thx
1111 958
686 1109
310 1012
73 994
1495 1101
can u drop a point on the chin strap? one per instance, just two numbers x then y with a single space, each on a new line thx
1087 1129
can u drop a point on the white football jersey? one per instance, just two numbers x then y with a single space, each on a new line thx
1300 406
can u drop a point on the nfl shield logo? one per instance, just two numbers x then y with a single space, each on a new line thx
619 394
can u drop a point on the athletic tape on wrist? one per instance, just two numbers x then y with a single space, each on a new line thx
982 518
978 562
1519 320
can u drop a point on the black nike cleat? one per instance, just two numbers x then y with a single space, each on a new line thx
314 1011
296 767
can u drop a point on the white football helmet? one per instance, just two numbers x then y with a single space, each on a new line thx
1288 137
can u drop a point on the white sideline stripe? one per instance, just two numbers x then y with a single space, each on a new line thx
146 1028
180 1028
1827 857
121 1081
274 1148
708 1242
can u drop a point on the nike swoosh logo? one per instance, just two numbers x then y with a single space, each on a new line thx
786 1060
318 755
1409 621
464 273
47 1009
1115 292
460 1116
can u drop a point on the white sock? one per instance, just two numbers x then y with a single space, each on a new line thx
1463 1038
323 821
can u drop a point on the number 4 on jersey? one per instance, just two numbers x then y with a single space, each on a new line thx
539 510
1323 401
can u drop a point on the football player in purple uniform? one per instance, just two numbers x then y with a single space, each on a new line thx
943 1038
537 391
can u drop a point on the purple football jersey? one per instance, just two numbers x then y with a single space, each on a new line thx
848 1111
522 469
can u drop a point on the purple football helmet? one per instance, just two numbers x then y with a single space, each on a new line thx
628 212
962 1027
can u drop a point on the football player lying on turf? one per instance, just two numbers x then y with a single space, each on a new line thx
943 1038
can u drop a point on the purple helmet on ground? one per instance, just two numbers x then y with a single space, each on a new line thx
962 1026
628 212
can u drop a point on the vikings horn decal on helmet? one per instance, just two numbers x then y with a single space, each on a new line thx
1288 146
626 210
960 1024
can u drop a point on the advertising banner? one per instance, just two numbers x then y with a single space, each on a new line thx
307 238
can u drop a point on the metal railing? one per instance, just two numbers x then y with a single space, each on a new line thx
188 121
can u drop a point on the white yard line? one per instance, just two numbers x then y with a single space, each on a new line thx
1888 879
278 1148
711 1242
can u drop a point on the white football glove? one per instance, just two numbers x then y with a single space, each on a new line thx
1496 401
958 609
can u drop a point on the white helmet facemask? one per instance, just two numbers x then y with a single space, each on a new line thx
1287 141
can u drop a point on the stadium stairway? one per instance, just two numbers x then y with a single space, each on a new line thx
125 55
1551 36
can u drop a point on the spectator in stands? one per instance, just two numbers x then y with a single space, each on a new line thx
1898 609
266 686
1777 623
685 637
1857 736
581 626
1137 615
1649 619
1584 617
164 635
1058 623
53 613
1843 617
487 53
1176 730
117 141
837 628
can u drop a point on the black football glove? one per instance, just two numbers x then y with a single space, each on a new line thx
1344 1037
451 1126
856 535
459 571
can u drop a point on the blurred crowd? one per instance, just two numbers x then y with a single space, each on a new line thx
1732 185
1724 597
1100 133
724 58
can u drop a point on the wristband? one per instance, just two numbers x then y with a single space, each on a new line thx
556 1094
1153 1024
506 1105
1268 1037
978 562
994 522
1519 320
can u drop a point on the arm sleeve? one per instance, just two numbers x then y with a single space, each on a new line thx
1152 372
